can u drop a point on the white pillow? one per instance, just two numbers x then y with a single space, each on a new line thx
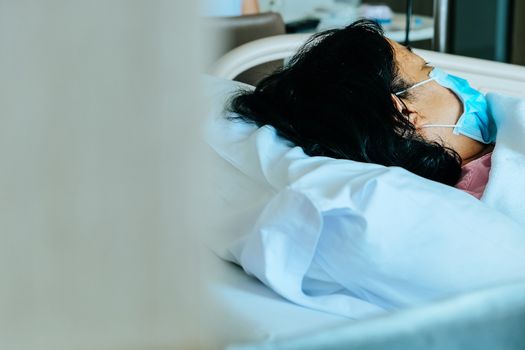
351 238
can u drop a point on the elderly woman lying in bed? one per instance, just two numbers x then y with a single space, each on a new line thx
353 94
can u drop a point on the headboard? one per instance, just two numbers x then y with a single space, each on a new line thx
483 74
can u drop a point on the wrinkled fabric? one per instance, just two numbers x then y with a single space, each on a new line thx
477 121
475 175
351 238
506 186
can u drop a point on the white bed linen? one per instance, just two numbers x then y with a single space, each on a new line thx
350 238
244 310
505 189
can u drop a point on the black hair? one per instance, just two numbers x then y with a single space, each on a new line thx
334 99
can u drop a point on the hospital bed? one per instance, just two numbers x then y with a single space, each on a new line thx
254 317
485 75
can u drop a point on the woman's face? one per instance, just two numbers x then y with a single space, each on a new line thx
431 103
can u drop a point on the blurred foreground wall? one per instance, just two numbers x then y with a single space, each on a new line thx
99 174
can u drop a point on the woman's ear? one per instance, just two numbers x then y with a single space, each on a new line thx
398 103
406 109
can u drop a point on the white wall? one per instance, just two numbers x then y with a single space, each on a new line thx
98 114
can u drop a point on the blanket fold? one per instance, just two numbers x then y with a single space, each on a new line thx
358 239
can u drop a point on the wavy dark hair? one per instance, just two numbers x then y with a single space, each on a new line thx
334 99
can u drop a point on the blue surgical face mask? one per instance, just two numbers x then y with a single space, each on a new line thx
476 121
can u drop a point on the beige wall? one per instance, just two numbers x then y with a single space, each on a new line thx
98 183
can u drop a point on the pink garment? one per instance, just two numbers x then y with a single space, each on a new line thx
475 175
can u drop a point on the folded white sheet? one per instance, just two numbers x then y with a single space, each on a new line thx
505 190
351 238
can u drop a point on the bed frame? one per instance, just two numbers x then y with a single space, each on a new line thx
483 74
255 318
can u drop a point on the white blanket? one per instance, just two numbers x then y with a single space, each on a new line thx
505 190
351 238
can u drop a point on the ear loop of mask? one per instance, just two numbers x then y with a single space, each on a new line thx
426 125
410 88
414 86
438 126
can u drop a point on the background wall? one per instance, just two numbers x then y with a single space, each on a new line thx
481 29
489 29
99 177
518 33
